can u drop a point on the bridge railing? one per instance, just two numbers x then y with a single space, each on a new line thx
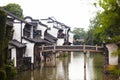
45 48
69 47
72 48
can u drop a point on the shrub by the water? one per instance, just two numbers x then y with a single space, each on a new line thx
2 35
7 71
10 72
2 74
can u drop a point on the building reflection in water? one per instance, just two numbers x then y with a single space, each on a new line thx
68 68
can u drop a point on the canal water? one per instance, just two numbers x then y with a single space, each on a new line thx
67 68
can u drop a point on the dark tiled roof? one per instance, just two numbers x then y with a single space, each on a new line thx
29 17
36 40
33 21
43 24
62 24
50 38
10 47
17 44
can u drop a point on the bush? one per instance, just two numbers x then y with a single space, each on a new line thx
2 75
113 69
3 17
10 72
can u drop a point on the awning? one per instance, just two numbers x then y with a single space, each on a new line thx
50 38
17 44
36 40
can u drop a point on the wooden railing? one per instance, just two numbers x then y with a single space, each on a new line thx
81 48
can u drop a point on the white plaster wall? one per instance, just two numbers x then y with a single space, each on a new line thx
44 22
17 31
29 52
52 30
71 37
64 31
42 28
113 60
13 56
23 25
31 32
60 41
28 20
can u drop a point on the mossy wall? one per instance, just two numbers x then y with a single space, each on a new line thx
7 71
3 18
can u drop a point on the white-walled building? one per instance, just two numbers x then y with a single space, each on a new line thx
26 39
59 30
16 47
28 35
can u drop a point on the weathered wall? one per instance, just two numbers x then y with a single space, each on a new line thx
17 31
71 37
29 52
52 30
42 28
60 41
113 60
13 56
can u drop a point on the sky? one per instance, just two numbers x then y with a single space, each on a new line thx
74 13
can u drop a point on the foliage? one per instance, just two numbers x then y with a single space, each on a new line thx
6 70
94 32
10 72
79 33
106 26
116 53
113 69
109 25
14 9
79 36
109 20
2 74
2 35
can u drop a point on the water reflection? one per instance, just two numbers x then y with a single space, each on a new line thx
69 68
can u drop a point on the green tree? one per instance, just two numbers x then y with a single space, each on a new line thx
108 25
79 33
109 20
79 36
105 26
93 34
14 9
